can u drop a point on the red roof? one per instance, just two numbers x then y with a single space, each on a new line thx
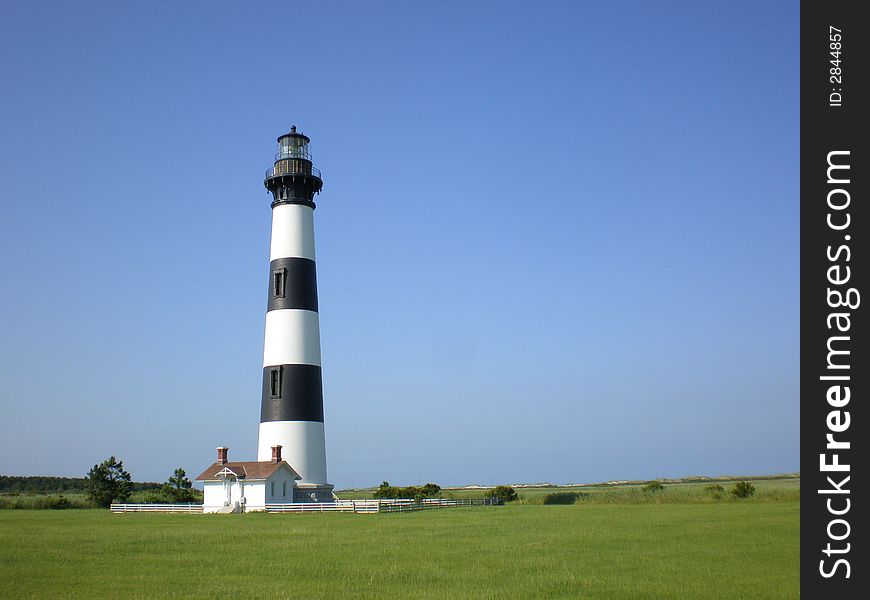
251 470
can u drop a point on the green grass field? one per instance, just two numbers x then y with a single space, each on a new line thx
728 549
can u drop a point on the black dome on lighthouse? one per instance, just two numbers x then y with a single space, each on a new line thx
295 134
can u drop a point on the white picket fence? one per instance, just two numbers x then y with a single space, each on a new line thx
351 506
379 505
360 506
428 503
172 508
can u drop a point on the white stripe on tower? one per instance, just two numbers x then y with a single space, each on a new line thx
292 337
292 232
292 401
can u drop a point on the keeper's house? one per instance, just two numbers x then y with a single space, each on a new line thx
246 486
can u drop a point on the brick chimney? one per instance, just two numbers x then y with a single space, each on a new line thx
222 455
276 453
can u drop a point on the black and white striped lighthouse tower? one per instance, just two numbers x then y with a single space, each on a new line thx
291 414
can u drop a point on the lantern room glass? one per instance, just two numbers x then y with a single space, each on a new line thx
292 146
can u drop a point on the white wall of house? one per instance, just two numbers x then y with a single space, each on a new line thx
255 495
277 489
215 495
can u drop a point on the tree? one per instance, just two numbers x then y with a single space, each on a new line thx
108 482
505 493
179 488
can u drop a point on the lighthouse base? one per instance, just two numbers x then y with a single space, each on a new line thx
313 492
303 447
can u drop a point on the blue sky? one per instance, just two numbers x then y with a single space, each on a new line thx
556 242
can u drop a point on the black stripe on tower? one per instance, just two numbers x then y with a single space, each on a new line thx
292 393
292 284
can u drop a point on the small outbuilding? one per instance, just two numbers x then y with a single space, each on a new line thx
247 486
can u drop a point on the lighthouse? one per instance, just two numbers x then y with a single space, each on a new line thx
291 413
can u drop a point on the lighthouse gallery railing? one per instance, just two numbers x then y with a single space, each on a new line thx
292 169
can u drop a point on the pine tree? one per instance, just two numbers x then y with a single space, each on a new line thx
179 488
108 482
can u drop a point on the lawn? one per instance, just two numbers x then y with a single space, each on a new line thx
738 549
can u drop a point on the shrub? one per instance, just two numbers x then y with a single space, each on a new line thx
561 498
743 489
430 490
505 493
57 502
715 490
156 497
653 487
34 502
385 490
